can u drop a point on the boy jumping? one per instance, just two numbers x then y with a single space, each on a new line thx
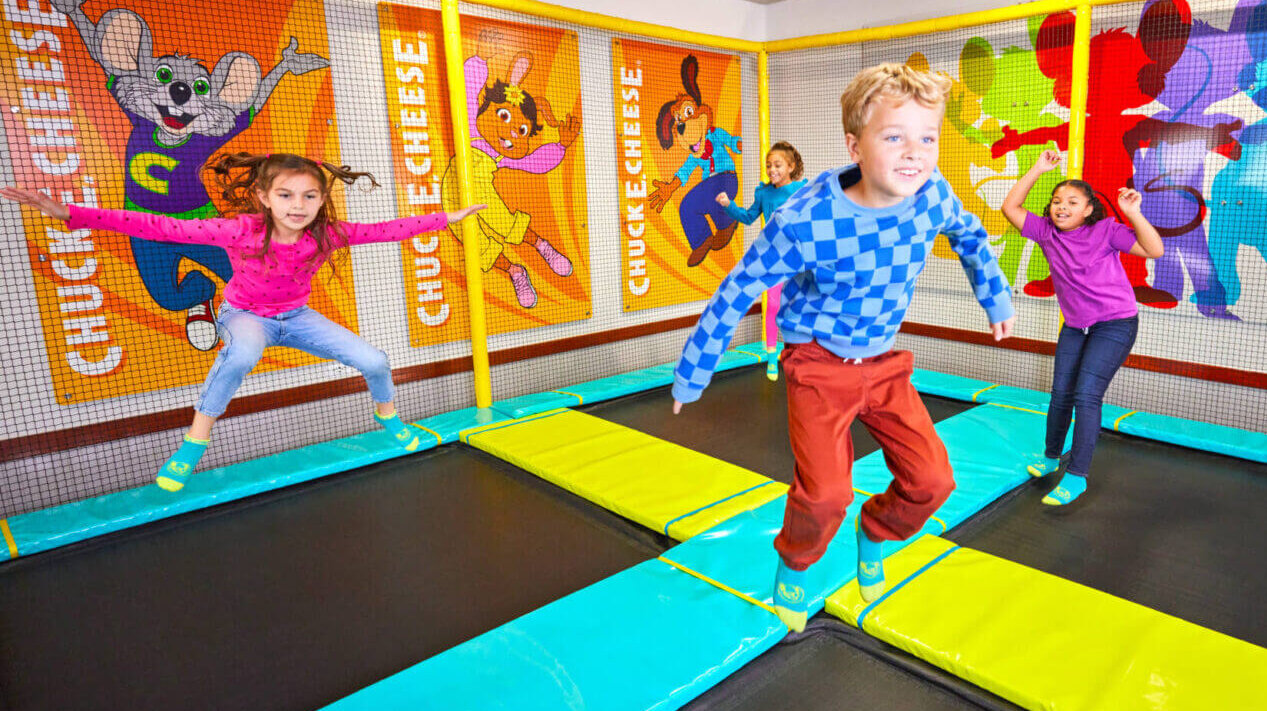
851 244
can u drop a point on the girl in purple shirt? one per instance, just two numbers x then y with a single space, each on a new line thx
285 228
1101 319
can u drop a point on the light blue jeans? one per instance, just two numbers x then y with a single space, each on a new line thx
246 335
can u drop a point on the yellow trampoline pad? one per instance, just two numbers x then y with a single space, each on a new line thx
661 485
1043 642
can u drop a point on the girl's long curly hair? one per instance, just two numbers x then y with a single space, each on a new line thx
1097 207
239 177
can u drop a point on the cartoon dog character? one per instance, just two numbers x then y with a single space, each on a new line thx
181 114
506 133
688 122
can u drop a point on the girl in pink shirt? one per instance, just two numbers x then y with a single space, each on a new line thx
1082 247
284 230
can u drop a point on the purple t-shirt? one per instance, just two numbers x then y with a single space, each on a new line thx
1086 269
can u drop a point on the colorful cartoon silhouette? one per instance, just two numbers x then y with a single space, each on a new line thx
1170 151
687 122
1127 72
181 114
1017 96
965 152
1238 197
505 124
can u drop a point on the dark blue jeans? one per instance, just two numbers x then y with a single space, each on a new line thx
1086 361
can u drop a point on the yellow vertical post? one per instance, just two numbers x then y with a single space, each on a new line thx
763 135
470 245
1078 94
1081 71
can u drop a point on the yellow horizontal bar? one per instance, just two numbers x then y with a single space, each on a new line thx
940 24
616 24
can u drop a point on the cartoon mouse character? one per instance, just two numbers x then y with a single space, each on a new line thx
688 122
506 133
1128 71
1238 196
181 114
1171 147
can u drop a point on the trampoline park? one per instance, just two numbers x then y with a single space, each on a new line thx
560 539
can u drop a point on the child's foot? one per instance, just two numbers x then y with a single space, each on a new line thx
176 471
399 431
1070 487
524 292
558 263
791 602
772 370
1043 467
870 565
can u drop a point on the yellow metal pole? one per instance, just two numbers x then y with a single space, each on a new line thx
1081 71
616 24
1078 90
470 246
763 134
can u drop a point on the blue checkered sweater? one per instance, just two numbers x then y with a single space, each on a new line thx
850 273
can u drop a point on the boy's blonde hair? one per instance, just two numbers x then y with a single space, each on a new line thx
889 81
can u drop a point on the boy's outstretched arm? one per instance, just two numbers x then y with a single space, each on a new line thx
1014 204
771 260
971 242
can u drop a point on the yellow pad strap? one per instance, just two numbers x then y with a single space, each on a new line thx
742 595
974 395
8 538
655 483
433 433
579 400
1044 642
1118 421
1014 407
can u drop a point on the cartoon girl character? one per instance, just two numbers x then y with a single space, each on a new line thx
504 134
688 122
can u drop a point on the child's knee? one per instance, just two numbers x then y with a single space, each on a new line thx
373 362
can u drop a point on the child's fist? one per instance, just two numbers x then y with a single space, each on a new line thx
1129 200
1048 160
723 199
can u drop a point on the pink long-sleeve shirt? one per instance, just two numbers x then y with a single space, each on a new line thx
279 282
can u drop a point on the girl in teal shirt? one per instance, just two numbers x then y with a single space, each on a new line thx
784 167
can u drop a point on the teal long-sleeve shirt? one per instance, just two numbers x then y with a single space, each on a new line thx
765 200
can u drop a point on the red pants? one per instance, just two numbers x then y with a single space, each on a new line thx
824 395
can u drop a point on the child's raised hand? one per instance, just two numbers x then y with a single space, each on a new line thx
1129 200
1047 161
723 199
456 217
38 200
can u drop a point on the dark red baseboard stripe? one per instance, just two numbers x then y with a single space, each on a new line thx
1197 371
56 441
48 442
